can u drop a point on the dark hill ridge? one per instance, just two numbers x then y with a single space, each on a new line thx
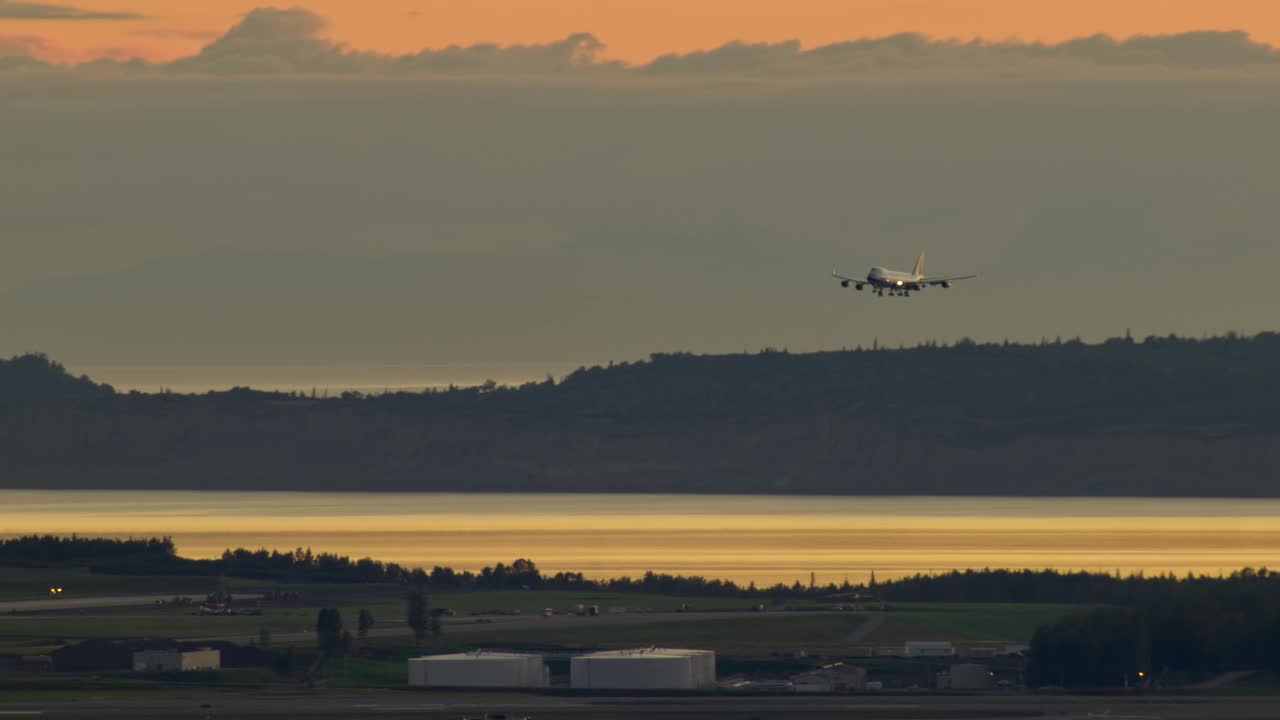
34 379
1164 416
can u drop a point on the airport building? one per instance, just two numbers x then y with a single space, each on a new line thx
177 660
649 668
479 669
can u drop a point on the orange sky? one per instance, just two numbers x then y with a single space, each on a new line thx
638 30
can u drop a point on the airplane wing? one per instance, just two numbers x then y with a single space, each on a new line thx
837 275
944 280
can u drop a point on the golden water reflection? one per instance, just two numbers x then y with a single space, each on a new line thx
741 537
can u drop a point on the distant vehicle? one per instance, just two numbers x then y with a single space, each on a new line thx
898 283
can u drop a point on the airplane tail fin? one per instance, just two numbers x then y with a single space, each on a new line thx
919 265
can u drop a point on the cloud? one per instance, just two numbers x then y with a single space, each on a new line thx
609 211
910 51
17 46
14 10
21 51
184 34
271 40
580 51
292 41
1205 49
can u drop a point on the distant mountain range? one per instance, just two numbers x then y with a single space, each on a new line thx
1158 417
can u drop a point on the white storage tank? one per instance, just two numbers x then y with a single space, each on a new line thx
704 665
649 668
479 669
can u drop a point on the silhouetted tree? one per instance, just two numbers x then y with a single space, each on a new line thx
365 623
329 632
416 614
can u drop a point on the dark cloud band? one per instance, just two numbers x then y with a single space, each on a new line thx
11 10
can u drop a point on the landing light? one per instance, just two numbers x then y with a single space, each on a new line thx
899 282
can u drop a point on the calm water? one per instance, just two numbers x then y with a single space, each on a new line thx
745 537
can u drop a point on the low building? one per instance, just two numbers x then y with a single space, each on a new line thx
927 648
965 676
832 679
114 655
177 660
970 676
650 668
479 669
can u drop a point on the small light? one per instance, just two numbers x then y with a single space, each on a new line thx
1141 674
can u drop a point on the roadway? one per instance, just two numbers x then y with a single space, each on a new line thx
438 705
83 603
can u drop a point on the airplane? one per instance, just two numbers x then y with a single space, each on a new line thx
898 283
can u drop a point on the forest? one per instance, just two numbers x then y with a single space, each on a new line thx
1161 416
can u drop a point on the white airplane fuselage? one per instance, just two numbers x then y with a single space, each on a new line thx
894 282
884 278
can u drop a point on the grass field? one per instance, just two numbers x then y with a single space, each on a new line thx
748 635
18 583
969 622
534 601
24 633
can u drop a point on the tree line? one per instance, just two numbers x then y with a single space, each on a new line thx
158 556
1169 643
1060 417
